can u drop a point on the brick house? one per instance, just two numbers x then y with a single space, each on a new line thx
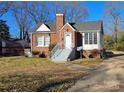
70 38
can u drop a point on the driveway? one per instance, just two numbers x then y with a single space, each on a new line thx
107 77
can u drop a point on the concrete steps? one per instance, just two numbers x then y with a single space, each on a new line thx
61 55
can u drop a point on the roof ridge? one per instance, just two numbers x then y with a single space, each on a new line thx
89 21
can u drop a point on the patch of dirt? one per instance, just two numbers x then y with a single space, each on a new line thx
107 77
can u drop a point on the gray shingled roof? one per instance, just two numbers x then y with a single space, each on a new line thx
82 27
51 26
88 26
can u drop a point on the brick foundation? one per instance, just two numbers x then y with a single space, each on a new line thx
90 54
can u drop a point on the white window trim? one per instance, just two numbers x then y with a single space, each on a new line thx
87 38
96 38
43 41
92 38
37 41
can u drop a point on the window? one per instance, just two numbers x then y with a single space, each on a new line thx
40 41
95 38
47 41
91 38
43 41
86 38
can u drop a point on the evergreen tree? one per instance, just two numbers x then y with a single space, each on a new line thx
4 30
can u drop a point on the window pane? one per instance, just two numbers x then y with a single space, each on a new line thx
40 41
86 38
90 38
47 41
95 38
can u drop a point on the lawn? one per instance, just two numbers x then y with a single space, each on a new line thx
35 74
90 63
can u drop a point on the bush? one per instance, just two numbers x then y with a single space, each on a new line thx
42 55
51 46
119 46
26 55
35 52
109 43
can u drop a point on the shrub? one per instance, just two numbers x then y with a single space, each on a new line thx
42 55
26 55
51 46
109 42
119 46
35 52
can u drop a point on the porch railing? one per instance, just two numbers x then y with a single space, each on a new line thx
54 50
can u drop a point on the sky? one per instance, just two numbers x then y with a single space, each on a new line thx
95 10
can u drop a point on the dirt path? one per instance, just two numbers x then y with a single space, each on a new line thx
109 76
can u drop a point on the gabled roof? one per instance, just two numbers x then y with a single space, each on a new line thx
81 27
69 26
50 26
88 26
43 27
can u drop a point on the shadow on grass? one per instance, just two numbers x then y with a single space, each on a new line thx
59 85
110 54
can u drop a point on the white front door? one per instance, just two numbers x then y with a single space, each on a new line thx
68 41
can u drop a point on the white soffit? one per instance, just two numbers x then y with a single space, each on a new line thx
43 27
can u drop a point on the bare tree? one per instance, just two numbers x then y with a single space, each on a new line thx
4 7
28 13
38 11
113 13
74 11
22 18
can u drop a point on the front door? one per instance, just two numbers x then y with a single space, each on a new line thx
68 41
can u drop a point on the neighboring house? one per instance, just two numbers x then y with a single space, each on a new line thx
69 38
13 47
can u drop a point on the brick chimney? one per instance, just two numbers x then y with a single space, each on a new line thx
59 24
59 21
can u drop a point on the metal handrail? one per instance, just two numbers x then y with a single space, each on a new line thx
54 50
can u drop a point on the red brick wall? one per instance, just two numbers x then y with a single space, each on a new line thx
53 38
41 49
88 53
67 28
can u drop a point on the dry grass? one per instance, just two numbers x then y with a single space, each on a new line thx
35 74
91 62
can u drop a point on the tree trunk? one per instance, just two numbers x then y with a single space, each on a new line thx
115 35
